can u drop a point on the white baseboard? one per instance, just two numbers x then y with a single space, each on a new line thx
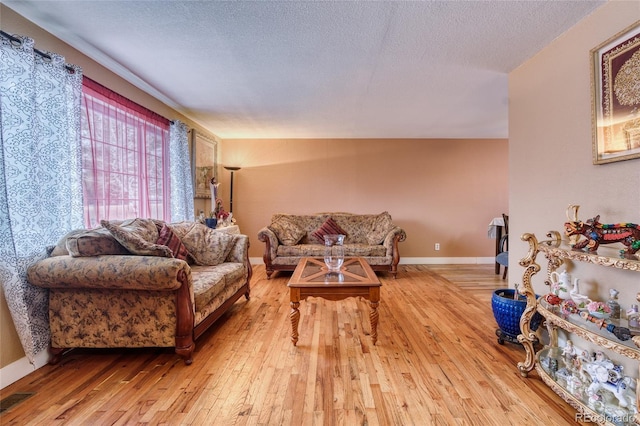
21 368
447 260
424 260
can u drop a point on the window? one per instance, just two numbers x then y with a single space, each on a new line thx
125 154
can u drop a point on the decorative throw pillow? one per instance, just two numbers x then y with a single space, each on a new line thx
139 236
327 228
159 223
287 232
207 246
380 227
168 238
93 242
60 249
182 228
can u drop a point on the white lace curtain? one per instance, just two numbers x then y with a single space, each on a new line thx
40 175
40 186
181 185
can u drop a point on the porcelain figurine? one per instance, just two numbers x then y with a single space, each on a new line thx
581 300
560 284
569 352
633 316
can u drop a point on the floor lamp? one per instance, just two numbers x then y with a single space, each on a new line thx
231 169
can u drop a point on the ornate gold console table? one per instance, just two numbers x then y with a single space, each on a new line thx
557 252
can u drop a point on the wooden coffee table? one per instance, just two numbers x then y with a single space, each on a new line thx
312 278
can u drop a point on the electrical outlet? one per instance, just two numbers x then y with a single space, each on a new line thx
437 246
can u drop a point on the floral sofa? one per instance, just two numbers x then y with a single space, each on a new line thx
290 237
141 283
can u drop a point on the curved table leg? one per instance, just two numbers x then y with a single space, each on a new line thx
373 319
295 320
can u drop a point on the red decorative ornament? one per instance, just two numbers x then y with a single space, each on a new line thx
552 299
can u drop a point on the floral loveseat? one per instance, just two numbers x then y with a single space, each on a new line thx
290 237
141 283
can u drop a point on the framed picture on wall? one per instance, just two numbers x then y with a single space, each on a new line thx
204 163
615 97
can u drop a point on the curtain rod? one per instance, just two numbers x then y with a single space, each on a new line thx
16 41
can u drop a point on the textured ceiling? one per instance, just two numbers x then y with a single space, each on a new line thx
318 69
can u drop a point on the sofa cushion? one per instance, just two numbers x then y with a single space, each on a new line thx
168 238
60 249
380 227
288 232
207 246
329 227
363 228
181 228
139 236
301 250
92 242
207 283
317 250
357 226
309 223
206 301
365 250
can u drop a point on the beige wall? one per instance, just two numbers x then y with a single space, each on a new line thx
444 191
550 150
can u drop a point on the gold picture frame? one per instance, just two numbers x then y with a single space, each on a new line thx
615 97
204 163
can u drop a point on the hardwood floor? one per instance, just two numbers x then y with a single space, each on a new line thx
437 362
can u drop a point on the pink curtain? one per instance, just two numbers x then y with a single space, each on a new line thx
125 154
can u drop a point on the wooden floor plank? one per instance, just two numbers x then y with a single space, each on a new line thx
437 362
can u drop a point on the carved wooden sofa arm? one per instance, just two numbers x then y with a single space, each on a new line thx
270 240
